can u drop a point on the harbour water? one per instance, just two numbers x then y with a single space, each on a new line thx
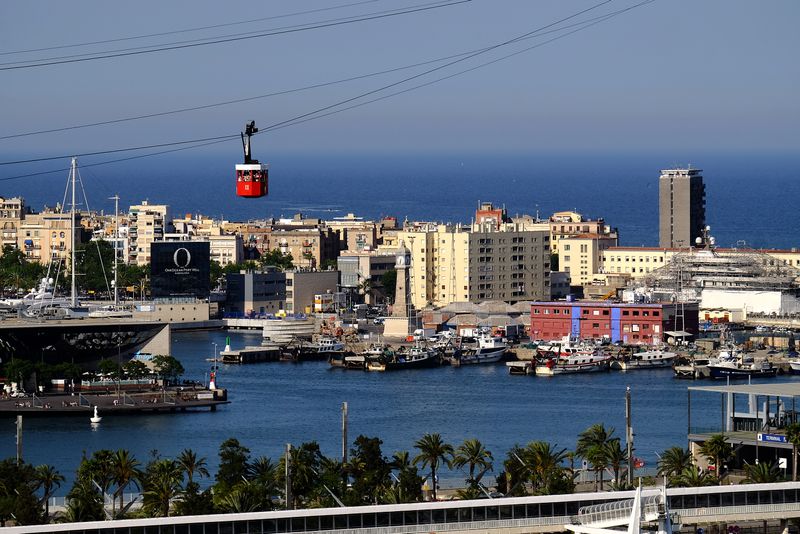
278 403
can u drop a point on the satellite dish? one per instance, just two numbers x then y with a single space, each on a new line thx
708 228
698 240
712 240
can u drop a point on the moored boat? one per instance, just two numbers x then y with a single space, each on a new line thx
644 360
416 357
693 369
488 349
735 364
577 363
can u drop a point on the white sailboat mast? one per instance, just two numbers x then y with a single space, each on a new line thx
115 198
73 291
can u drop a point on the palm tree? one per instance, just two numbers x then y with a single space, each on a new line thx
49 480
673 461
472 453
243 498
762 473
616 457
542 464
432 450
718 451
793 435
125 470
691 477
592 446
161 485
191 465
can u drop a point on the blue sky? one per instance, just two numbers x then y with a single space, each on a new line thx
675 74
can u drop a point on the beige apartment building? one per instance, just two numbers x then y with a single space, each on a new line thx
45 236
581 256
146 223
12 212
453 263
355 234
565 224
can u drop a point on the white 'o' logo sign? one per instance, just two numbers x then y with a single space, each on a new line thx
182 260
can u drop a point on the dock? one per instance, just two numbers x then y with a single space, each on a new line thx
82 404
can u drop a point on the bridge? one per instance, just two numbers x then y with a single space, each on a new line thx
514 515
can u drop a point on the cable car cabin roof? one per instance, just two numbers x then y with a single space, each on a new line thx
252 166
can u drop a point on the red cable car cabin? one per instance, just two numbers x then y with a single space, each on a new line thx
252 180
252 177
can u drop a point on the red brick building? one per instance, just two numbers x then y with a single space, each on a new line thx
629 323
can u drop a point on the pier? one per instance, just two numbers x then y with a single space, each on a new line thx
81 404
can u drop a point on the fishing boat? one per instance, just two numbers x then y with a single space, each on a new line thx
692 369
416 357
326 345
571 364
647 359
489 349
732 363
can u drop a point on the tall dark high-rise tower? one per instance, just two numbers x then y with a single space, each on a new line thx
682 207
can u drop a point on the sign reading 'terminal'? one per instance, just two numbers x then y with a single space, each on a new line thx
772 438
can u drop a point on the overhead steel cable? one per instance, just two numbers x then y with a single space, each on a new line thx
307 116
187 30
582 26
240 37
275 93
340 103
440 67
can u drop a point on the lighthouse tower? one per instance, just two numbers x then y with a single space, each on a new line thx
398 325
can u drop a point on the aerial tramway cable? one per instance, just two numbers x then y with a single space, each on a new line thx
197 143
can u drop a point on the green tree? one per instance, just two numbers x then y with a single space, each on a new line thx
433 451
718 451
215 274
305 464
161 484
243 498
389 283
617 457
48 479
543 466
125 471
192 501
18 500
276 258
762 473
110 368
191 465
84 502
793 435
16 272
473 454
234 461
592 446
94 263
673 462
369 468
691 477
407 486
135 369
167 367
263 474
19 370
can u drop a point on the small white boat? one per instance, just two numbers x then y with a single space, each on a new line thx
327 345
794 364
732 363
644 360
489 349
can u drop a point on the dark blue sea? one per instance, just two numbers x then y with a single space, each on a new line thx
751 198
278 403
